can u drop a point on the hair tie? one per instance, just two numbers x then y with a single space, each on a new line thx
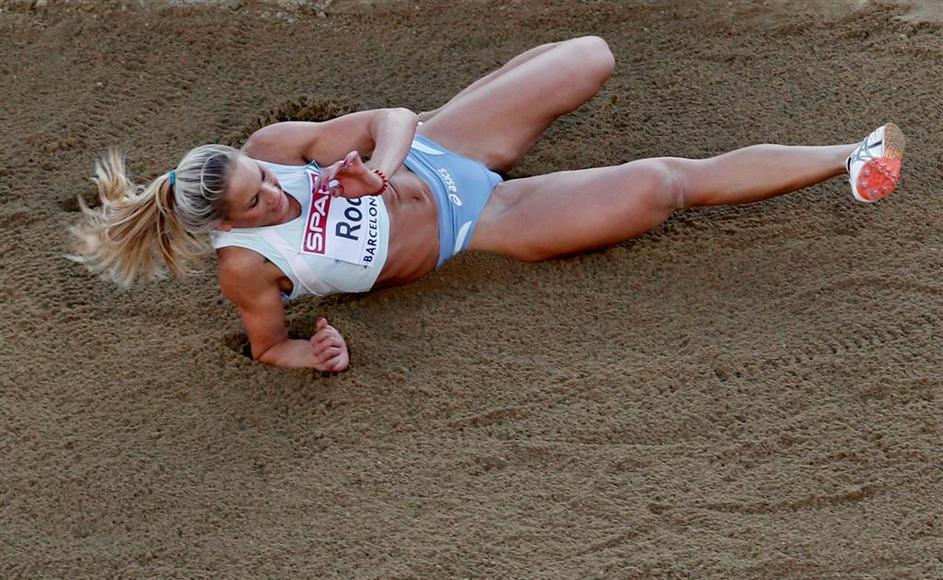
172 176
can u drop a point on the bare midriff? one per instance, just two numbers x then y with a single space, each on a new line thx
414 230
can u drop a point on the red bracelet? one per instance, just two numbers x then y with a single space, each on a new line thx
386 182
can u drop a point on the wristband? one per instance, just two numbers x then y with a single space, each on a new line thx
386 182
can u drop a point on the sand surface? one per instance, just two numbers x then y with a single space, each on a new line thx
743 393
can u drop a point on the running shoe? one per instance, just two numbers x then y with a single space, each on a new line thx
874 165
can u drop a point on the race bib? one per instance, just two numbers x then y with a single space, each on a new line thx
340 228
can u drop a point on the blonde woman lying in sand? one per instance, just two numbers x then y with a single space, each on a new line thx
299 211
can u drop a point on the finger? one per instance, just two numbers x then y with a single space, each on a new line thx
324 183
321 336
336 168
319 341
321 323
338 363
327 366
325 330
351 158
327 334
328 354
326 176
323 340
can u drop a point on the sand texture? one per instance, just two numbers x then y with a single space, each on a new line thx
749 392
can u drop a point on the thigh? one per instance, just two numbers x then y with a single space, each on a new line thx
569 212
490 77
497 122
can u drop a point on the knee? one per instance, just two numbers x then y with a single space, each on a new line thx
592 56
662 181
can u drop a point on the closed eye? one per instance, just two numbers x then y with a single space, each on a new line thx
255 199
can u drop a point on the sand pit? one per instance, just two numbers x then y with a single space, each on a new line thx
743 393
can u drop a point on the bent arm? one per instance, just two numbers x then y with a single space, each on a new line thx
259 301
392 134
325 351
264 320
290 352
382 134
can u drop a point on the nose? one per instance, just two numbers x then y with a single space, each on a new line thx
274 196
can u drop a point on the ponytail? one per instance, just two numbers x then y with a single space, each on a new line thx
135 224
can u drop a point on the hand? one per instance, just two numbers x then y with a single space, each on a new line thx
330 350
350 177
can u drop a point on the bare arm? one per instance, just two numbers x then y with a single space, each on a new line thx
325 351
392 135
259 301
382 134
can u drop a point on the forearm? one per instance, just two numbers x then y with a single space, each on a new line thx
290 353
392 135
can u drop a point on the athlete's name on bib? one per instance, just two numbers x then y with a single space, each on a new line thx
343 229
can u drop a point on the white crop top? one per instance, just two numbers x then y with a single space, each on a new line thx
335 245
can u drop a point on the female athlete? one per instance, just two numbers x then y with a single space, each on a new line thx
381 198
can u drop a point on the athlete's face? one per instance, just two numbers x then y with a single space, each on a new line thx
255 197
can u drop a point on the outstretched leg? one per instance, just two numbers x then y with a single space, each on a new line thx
564 213
498 119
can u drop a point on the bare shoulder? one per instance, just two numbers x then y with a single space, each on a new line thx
243 273
251 284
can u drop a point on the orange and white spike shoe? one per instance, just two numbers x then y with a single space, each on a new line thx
874 165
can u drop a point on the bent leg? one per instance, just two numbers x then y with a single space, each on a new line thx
518 60
565 213
498 121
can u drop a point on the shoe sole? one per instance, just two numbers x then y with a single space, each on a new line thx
879 177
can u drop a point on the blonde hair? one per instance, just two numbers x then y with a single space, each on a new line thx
146 230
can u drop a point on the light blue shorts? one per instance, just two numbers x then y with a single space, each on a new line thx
462 187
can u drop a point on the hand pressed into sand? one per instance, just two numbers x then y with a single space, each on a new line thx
330 350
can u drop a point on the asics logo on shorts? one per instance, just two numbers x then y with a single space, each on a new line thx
450 186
